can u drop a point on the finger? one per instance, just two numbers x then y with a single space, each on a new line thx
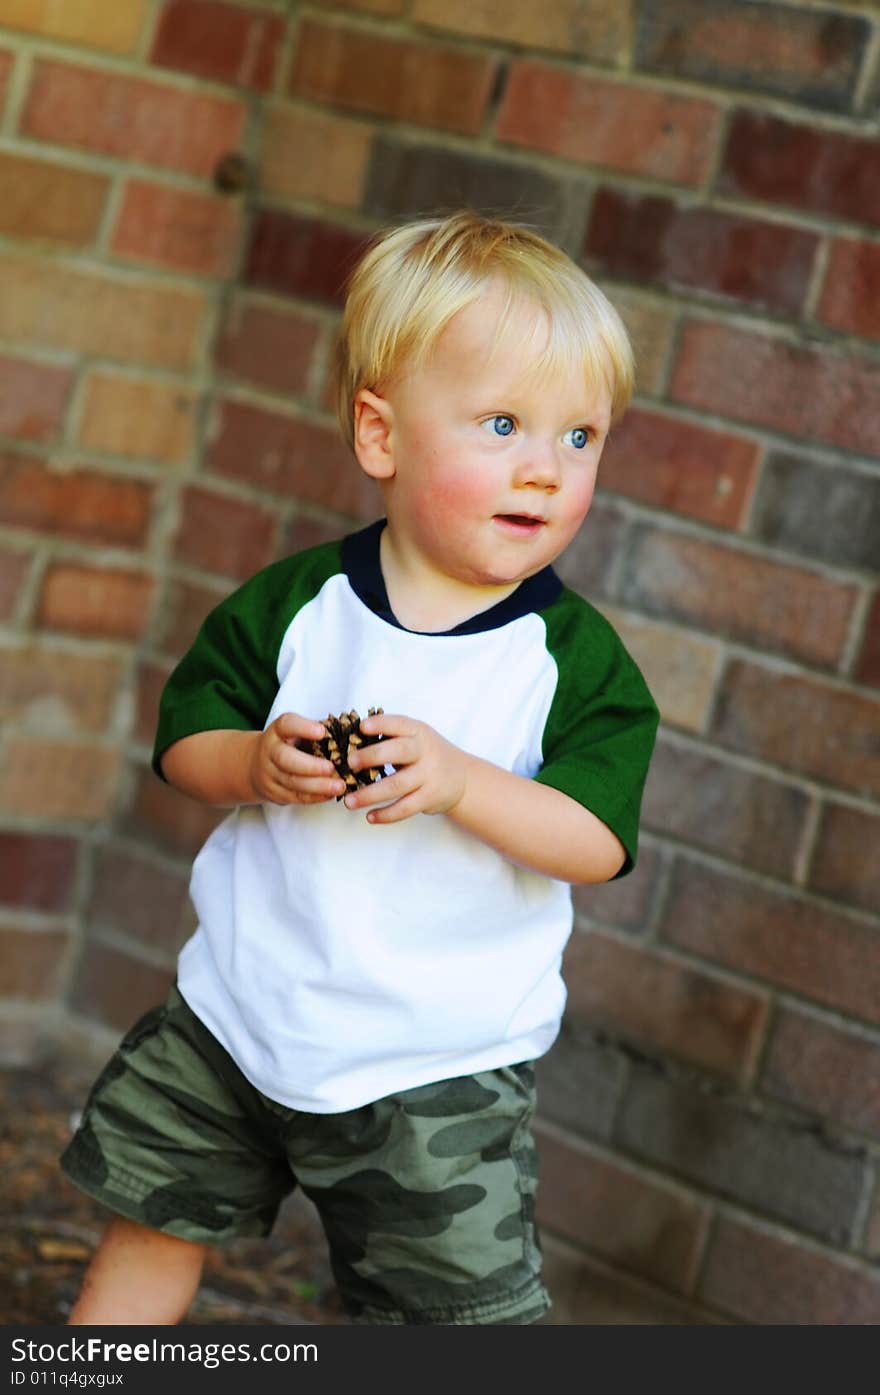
286 797
402 750
322 787
388 724
398 811
290 726
290 760
392 787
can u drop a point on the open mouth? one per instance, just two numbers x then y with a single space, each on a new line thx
520 522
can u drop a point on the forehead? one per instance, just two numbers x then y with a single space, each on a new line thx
496 326
509 346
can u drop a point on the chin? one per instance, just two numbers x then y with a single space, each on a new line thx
500 577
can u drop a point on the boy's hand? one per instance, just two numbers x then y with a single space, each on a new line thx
281 773
429 777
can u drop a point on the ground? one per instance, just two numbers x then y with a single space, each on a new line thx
48 1229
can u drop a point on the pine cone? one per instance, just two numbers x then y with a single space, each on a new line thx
343 735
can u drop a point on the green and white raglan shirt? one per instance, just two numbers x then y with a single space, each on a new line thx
339 961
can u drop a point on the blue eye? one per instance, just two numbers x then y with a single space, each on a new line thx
501 425
578 437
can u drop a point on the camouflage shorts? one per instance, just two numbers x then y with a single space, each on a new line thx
426 1196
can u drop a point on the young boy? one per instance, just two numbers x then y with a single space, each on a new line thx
369 983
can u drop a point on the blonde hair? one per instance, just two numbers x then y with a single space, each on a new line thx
413 279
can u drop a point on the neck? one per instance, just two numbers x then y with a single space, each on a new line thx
429 601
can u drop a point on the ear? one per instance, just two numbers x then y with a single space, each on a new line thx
373 419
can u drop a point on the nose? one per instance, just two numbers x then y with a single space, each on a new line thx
539 467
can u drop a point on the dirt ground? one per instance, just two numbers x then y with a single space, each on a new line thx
48 1229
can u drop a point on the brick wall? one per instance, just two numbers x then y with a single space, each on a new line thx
184 184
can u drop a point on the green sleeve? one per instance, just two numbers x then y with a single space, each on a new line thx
602 723
228 679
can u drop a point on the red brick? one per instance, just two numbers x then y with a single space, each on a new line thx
177 228
32 962
48 202
614 124
649 998
851 290
802 166
47 779
14 567
429 84
291 456
131 118
771 1280
644 237
846 859
827 396
143 418
50 305
775 936
37 871
6 60
373 7
227 43
167 818
868 666
618 1213
739 815
405 178
597 30
872 1229
305 532
800 724
726 1145
73 503
186 605
223 534
677 465
301 256
588 561
831 1072
812 57
650 324
115 988
134 896
269 346
94 24
587 1293
627 902
309 153
109 601
151 679
820 509
681 668
579 1083
739 595
329 393
44 687
33 397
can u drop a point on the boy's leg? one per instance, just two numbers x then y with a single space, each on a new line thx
427 1199
138 1276
174 1142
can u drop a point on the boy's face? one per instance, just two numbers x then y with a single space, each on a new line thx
490 466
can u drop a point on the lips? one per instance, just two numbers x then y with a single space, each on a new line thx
519 525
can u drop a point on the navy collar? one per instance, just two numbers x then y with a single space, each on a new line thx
360 562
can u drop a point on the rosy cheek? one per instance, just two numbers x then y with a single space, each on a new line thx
578 503
452 493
